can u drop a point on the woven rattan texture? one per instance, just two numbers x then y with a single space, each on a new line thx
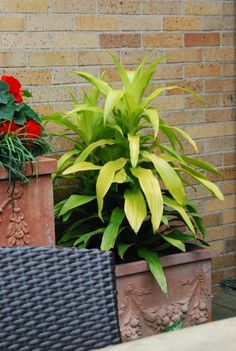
57 299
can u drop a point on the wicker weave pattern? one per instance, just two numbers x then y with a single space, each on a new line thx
56 299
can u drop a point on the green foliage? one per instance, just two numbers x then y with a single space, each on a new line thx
141 209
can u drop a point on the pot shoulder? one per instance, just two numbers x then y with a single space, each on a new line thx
166 261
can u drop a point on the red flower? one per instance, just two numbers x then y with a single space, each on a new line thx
8 127
14 86
32 130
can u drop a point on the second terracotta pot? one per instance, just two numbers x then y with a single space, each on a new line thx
144 310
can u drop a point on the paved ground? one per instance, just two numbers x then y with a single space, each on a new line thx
224 304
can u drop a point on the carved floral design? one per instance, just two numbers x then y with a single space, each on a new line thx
192 309
18 233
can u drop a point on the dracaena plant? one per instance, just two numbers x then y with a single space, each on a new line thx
21 138
128 187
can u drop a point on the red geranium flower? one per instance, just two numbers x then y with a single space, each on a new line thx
32 129
8 127
14 86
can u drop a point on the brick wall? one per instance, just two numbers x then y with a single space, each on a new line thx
41 41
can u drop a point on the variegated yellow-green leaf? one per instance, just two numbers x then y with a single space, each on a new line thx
105 179
154 119
206 183
172 203
174 242
135 208
156 93
169 177
112 100
66 157
100 84
82 108
122 71
112 230
134 149
85 153
80 167
152 191
120 176
185 135
75 201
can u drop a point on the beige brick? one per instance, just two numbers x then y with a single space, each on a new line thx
25 41
12 59
229 172
145 23
202 70
169 102
221 232
162 7
217 246
119 40
228 39
51 58
201 39
229 216
212 220
73 6
230 273
219 85
185 117
230 158
97 23
219 54
216 205
218 276
168 72
63 75
49 93
86 57
229 7
110 73
163 40
43 110
49 22
224 261
229 186
195 85
182 23
60 145
184 55
123 7
209 8
24 6
135 56
220 115
74 40
219 144
230 245
33 77
218 22
229 69
12 24
229 99
212 130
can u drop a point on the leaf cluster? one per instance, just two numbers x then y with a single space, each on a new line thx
129 194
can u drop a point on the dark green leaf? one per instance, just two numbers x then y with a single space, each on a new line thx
155 267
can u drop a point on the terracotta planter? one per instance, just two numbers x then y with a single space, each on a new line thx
26 217
144 310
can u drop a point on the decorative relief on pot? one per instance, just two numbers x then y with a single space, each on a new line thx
134 317
18 233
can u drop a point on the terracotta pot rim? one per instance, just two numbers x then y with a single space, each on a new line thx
42 165
166 261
